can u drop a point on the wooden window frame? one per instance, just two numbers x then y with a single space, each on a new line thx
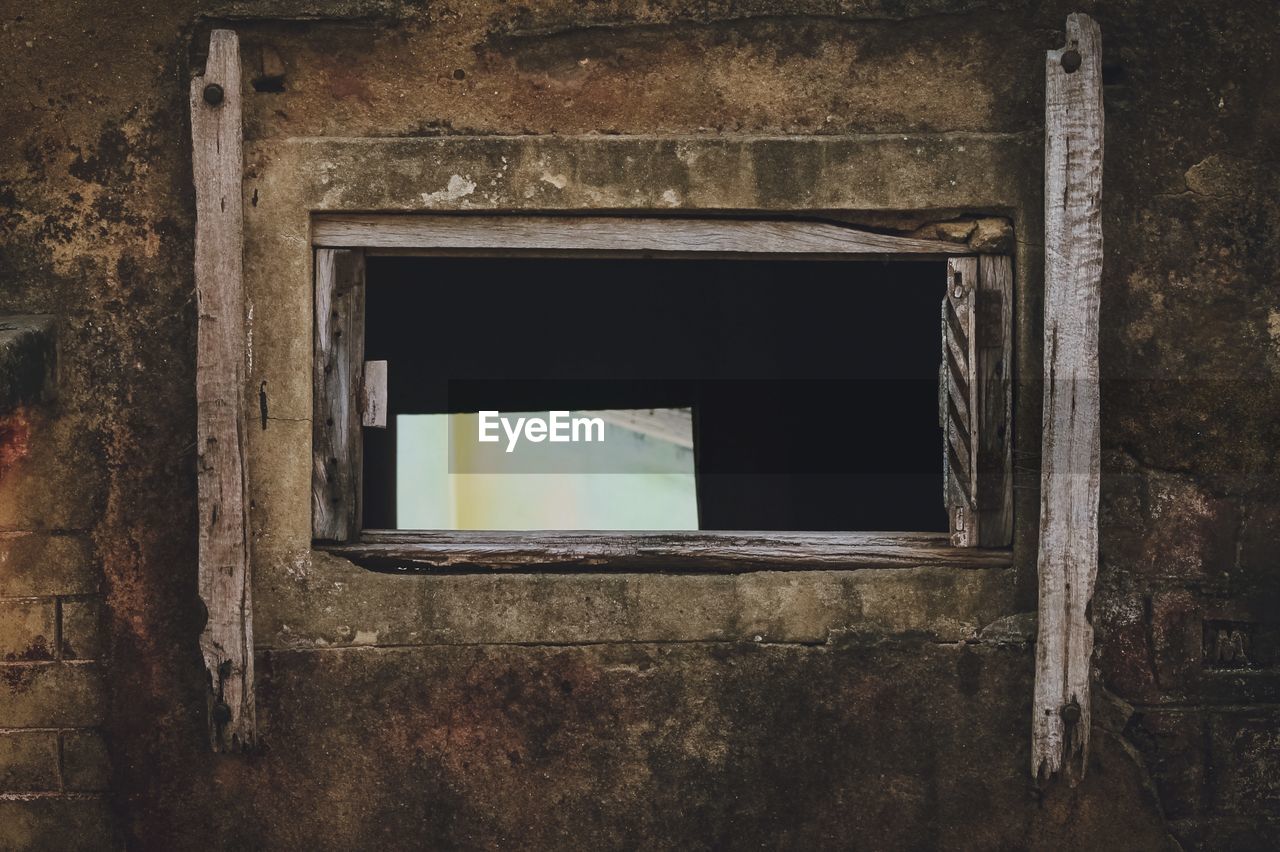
882 172
975 398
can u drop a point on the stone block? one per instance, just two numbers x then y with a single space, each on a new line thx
40 563
28 761
1166 526
51 695
27 630
54 476
1259 570
86 766
1176 636
1245 749
1124 656
57 825
1172 746
82 635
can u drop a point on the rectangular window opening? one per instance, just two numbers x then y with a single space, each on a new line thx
763 394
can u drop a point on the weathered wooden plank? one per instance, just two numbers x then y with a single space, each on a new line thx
994 351
1069 458
608 235
226 641
373 395
516 551
958 400
336 441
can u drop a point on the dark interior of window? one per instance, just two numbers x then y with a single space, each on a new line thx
813 384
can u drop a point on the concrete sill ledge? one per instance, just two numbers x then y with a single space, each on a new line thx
26 359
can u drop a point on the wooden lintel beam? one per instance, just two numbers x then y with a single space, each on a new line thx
609 235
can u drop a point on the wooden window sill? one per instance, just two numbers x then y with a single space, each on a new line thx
436 552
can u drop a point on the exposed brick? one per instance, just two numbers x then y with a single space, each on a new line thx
1172 746
1246 750
1177 637
57 481
27 630
1259 575
1166 526
1231 833
37 564
51 695
82 629
57 825
28 761
1124 658
85 765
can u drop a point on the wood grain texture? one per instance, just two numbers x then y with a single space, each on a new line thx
994 350
958 400
226 641
1068 555
608 236
336 440
373 395
712 552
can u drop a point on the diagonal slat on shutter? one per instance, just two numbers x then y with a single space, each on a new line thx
958 400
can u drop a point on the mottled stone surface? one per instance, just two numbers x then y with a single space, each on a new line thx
884 743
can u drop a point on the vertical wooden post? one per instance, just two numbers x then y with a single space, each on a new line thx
1068 557
224 578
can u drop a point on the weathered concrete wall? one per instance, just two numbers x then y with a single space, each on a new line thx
889 732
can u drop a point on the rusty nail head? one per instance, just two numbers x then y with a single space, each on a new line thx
213 94
1071 61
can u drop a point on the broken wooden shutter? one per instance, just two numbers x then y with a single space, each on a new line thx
373 395
336 441
975 400
1070 445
